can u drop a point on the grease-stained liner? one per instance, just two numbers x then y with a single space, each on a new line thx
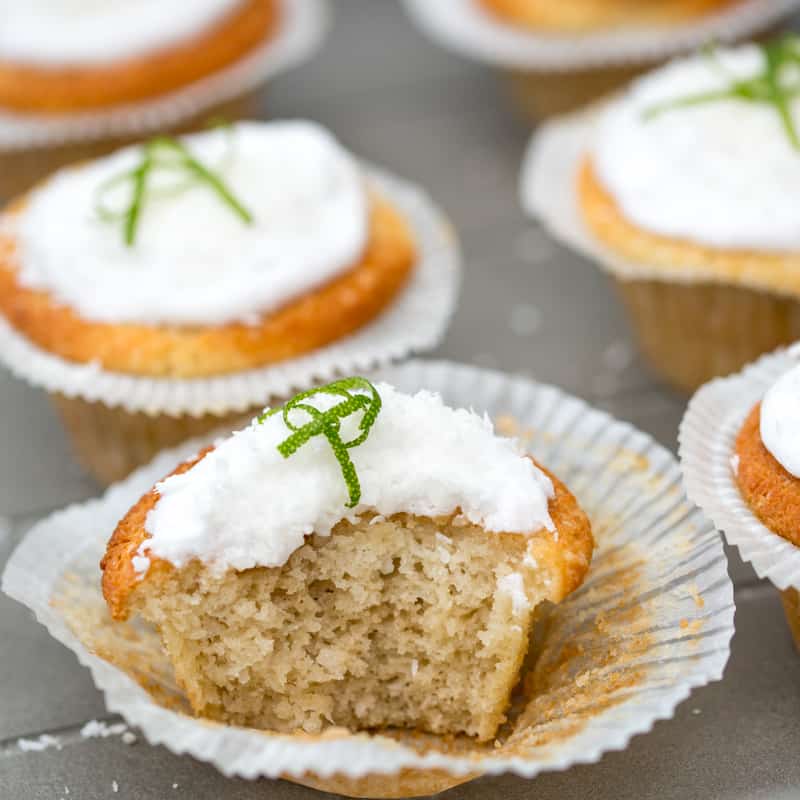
653 620
707 444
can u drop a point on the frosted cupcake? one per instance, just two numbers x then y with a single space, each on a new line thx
688 181
80 77
766 465
388 576
592 15
58 56
559 56
187 260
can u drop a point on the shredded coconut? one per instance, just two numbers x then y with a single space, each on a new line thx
244 505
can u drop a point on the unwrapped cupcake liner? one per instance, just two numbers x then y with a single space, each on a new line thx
707 440
303 24
548 192
466 27
415 321
652 621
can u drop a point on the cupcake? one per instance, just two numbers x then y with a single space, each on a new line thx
766 465
63 57
390 518
591 15
691 174
558 56
360 558
79 78
681 189
173 267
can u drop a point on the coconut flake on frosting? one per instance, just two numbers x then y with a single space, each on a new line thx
193 261
72 32
780 421
244 505
722 174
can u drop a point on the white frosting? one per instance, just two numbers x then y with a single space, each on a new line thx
194 261
780 421
722 174
74 32
244 505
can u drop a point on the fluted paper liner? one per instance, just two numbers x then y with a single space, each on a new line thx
302 26
464 26
653 620
707 440
415 321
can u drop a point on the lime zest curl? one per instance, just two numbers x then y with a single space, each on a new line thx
358 395
769 86
163 153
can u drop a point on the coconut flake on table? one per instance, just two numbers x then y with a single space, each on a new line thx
244 505
194 261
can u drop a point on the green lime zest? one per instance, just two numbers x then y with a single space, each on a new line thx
163 153
358 395
776 85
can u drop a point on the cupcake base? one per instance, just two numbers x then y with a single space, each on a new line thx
693 332
540 95
20 169
110 442
791 605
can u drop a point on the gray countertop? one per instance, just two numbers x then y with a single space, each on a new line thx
528 307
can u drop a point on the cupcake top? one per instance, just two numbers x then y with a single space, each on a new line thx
219 227
686 155
780 421
71 32
252 500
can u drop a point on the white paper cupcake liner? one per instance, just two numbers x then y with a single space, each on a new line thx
548 192
303 25
416 321
464 26
707 439
653 620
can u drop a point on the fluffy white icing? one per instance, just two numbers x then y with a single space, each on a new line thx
244 505
722 174
53 32
193 260
780 421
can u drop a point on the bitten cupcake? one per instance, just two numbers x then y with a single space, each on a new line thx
359 558
589 15
178 262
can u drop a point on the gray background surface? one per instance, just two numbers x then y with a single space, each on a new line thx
528 307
